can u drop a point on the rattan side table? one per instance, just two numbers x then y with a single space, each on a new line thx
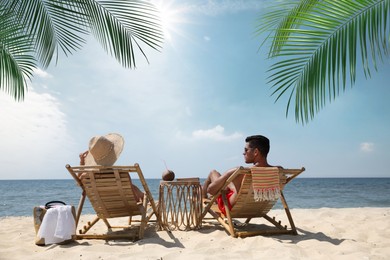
180 204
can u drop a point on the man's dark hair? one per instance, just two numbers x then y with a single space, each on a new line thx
260 142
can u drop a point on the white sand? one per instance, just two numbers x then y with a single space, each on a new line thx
327 233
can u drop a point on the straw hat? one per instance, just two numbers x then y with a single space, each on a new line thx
104 150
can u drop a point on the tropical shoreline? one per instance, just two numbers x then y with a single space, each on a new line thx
325 233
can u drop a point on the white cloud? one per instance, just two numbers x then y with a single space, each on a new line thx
367 147
206 38
33 134
41 73
217 133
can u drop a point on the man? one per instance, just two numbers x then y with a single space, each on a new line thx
104 151
255 151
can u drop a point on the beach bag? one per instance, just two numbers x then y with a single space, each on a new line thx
39 214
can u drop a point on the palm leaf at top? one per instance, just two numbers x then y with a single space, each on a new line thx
122 25
315 46
16 61
43 27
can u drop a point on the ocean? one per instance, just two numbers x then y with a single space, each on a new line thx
19 197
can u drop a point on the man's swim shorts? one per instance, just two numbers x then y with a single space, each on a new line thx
221 205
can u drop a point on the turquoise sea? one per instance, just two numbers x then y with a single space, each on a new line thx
18 197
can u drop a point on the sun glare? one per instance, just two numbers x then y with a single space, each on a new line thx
171 18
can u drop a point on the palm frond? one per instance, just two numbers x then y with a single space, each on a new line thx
122 25
16 59
272 18
53 24
33 31
325 36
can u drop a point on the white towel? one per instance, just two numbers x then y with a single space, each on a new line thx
58 225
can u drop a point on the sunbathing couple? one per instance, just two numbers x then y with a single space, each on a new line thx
105 150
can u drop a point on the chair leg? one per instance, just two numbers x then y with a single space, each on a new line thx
80 207
149 214
150 210
88 226
247 220
143 219
227 210
274 222
107 223
290 219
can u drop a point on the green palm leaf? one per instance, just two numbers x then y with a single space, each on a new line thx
16 61
52 24
40 28
121 25
315 46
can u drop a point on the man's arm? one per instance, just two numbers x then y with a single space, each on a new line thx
217 184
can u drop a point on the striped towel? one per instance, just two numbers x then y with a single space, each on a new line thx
266 184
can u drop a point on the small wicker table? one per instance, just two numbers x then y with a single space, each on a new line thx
180 204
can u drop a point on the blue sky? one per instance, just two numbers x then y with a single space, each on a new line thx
191 107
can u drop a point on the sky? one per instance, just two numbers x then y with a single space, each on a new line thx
190 108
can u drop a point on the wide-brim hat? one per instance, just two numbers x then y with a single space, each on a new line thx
104 150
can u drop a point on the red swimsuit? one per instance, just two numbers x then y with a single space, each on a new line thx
221 205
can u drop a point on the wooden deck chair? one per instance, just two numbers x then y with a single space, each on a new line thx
109 189
254 204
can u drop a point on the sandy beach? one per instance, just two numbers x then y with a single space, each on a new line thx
326 233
